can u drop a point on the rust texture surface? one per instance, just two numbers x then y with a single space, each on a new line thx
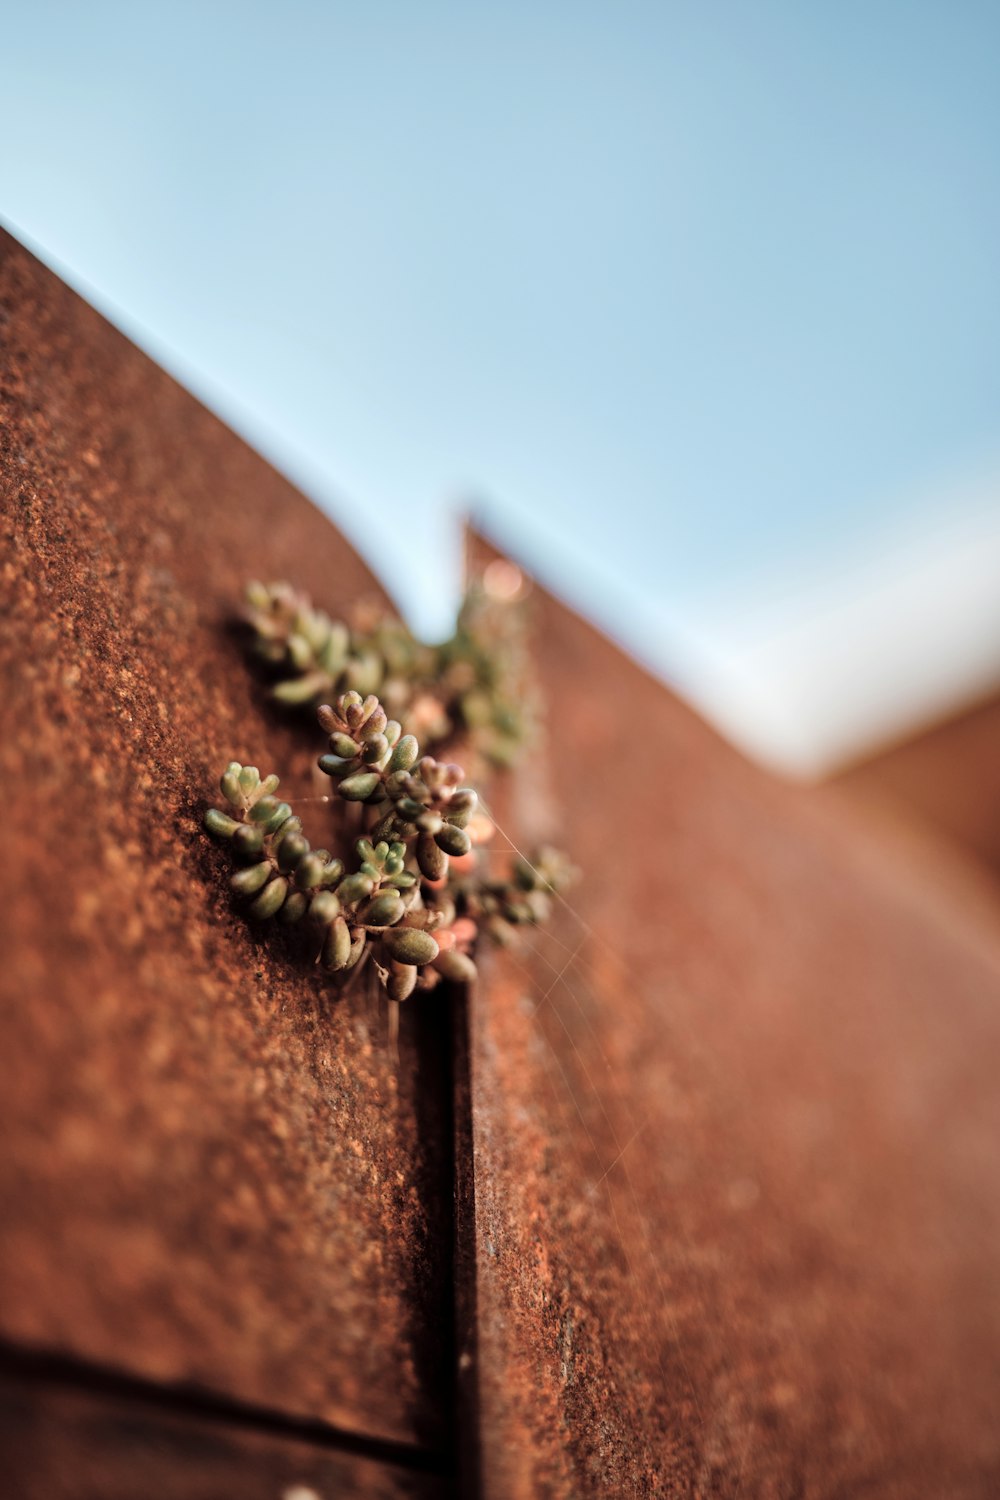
209 1172
949 776
737 1131
67 1445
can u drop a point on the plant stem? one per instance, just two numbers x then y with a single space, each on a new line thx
394 1030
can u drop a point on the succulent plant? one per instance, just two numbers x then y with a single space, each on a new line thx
470 689
311 650
409 897
374 909
484 674
525 897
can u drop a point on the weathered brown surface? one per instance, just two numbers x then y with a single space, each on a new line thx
737 1132
209 1173
59 1444
948 777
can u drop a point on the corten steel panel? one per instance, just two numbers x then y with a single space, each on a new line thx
66 1444
209 1171
948 777
737 1131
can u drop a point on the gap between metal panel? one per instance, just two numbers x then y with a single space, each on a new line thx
461 1454
45 1368
446 1055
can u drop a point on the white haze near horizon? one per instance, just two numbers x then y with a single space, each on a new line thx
696 306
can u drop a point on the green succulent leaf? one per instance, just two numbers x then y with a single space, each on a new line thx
410 945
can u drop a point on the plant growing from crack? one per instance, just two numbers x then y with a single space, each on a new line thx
406 892
473 687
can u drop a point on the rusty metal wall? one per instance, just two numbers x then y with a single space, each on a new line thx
947 778
736 1128
210 1174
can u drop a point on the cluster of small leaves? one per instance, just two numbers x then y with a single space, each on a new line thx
413 892
378 909
499 905
419 800
470 688
483 671
415 897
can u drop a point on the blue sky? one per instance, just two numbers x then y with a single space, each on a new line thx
696 300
